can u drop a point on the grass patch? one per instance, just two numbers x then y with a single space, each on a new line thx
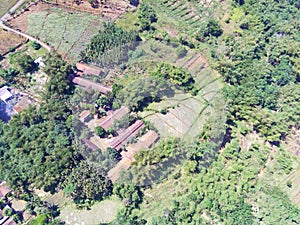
101 212
128 22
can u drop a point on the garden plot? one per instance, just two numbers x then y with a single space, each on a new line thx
59 28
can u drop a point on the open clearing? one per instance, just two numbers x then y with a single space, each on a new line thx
66 31
5 5
101 212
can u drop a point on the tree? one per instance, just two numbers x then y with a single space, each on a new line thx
147 16
7 211
100 131
26 63
35 45
90 183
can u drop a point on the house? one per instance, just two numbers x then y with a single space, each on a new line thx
90 144
39 61
88 70
5 94
85 116
144 142
108 121
24 103
4 190
87 84
121 140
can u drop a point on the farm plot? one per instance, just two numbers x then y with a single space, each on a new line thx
59 28
185 115
294 191
9 40
65 30
6 5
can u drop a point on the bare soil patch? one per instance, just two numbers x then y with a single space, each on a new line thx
9 40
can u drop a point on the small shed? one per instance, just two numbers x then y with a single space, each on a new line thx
5 94
4 190
85 116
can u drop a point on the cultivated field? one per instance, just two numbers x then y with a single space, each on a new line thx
8 40
187 16
5 5
66 31
294 191
186 114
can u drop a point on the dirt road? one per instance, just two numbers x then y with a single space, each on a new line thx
7 16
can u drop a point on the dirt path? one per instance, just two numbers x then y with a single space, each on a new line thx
7 16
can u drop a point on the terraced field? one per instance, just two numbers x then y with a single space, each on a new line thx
186 114
186 16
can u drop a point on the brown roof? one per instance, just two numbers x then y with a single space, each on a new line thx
90 144
91 85
144 142
121 140
10 222
4 190
86 69
84 114
24 103
108 121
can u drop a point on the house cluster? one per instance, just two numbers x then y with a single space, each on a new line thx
122 137
12 103
5 218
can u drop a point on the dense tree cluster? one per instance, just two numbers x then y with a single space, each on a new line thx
111 38
260 62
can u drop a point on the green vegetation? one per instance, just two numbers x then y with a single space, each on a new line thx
206 169
110 38
70 36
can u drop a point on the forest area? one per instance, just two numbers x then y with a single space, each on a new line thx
243 180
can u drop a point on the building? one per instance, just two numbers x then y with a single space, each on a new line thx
24 103
39 61
144 142
5 94
85 116
108 121
87 84
4 190
121 140
90 144
88 70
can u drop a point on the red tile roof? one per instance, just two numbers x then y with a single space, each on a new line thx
108 121
91 85
4 190
121 140
89 70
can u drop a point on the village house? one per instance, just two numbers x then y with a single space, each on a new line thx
87 84
88 70
5 94
121 140
107 122
85 116
144 142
